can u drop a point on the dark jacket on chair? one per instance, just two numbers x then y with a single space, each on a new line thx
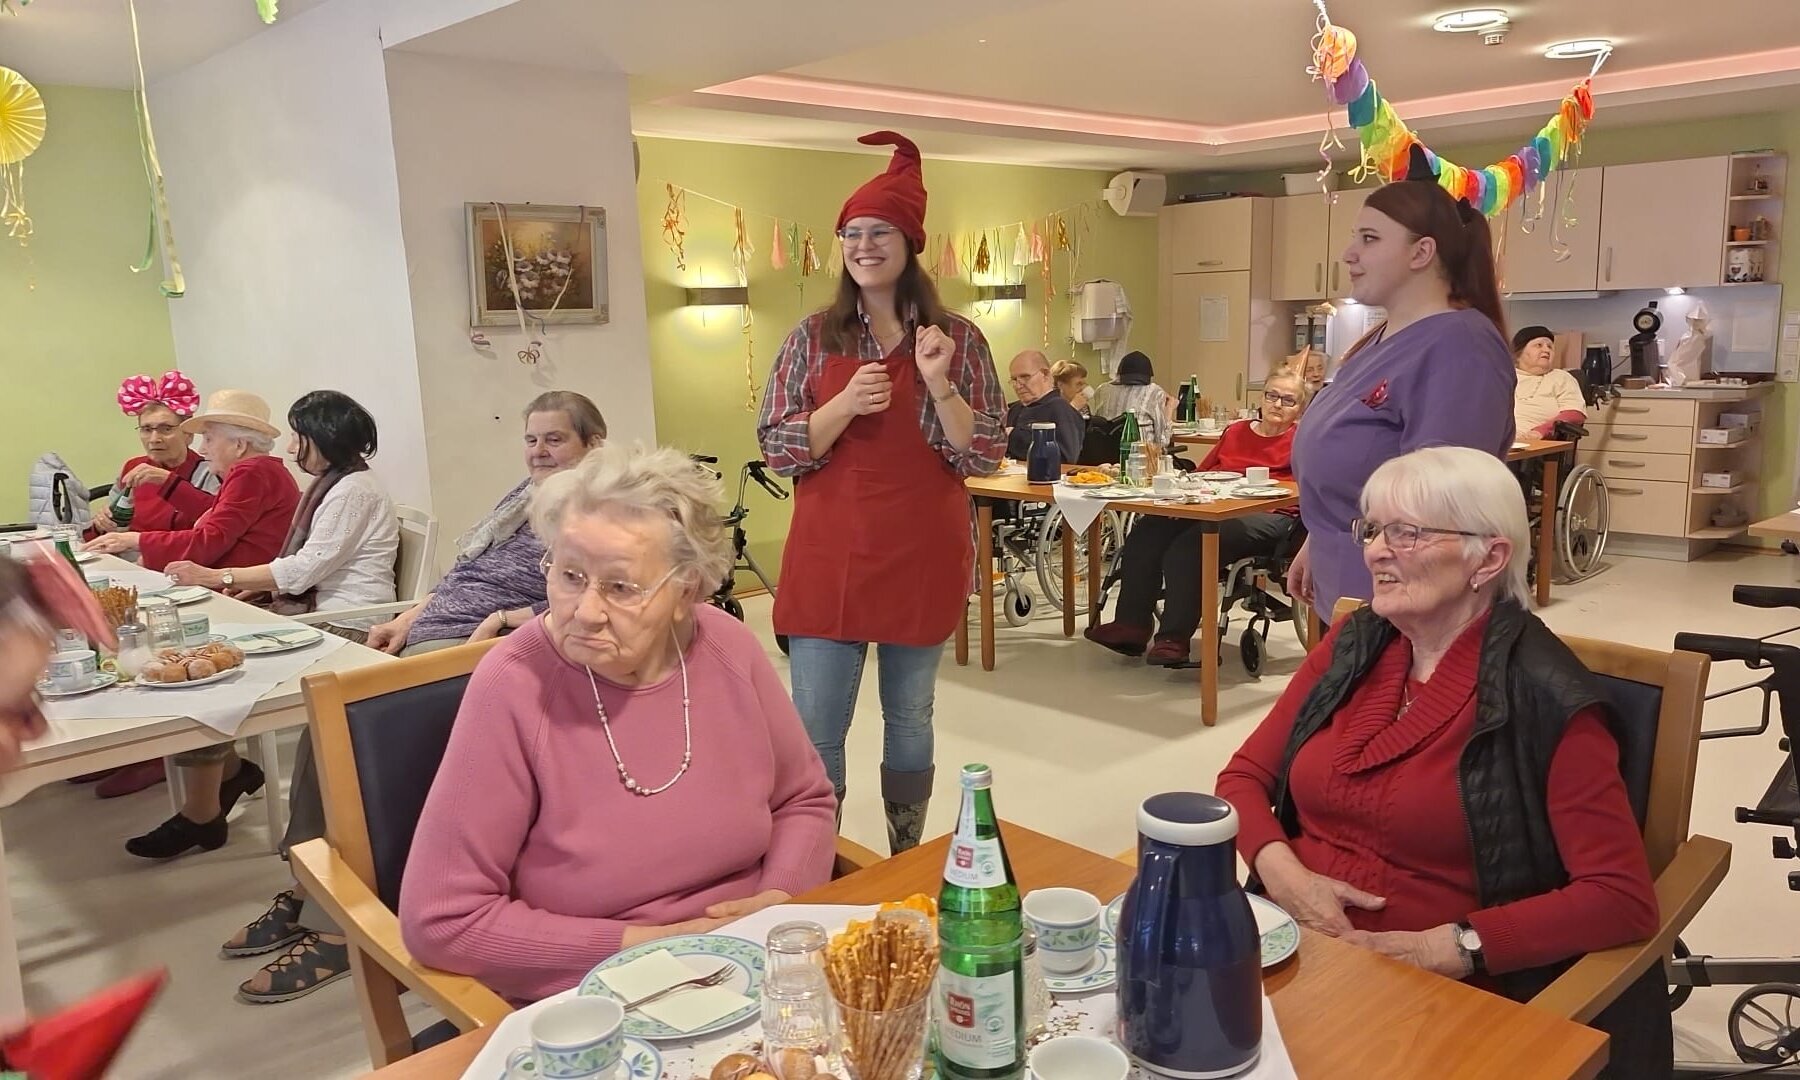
1529 686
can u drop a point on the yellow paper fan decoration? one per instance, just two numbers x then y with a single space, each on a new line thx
21 132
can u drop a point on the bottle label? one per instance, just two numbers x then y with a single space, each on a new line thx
978 1019
973 863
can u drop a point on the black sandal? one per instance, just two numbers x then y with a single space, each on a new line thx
276 928
311 963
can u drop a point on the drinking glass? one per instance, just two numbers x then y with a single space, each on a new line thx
796 1019
1037 988
886 1044
162 619
796 944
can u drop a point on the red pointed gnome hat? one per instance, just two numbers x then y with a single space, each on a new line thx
897 196
79 1042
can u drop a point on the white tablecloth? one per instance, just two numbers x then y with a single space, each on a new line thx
222 706
1092 1014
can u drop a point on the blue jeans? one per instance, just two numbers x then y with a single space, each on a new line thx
826 676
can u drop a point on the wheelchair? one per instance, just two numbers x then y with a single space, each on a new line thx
724 597
1027 541
1764 1021
1581 508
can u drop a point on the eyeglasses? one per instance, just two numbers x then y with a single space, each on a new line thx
1025 380
569 581
1273 398
1400 535
159 429
878 236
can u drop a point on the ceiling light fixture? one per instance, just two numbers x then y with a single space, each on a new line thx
1578 50
1470 20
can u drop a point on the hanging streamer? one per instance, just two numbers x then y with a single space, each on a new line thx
778 256
22 124
162 229
947 265
1021 255
809 256
741 248
266 9
983 262
674 224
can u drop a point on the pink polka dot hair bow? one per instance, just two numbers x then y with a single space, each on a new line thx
174 390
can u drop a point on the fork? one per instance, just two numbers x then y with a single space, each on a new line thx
714 979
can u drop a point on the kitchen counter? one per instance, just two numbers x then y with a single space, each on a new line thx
1702 393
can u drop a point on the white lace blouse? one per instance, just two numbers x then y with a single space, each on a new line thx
350 553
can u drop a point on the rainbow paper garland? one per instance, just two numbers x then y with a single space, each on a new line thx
1387 142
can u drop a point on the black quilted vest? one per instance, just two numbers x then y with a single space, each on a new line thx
1528 686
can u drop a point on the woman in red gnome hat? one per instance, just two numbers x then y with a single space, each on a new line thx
879 406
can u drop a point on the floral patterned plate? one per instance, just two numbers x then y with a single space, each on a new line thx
1280 934
1102 971
639 1061
746 956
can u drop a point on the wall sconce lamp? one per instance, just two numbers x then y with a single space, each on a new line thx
987 293
719 296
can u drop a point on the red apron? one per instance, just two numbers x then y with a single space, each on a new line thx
879 549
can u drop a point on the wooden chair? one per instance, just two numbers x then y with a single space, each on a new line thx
378 734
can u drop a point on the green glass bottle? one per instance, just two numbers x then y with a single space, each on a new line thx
66 537
980 989
1128 440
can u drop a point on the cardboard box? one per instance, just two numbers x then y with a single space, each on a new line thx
1718 436
1718 479
1746 420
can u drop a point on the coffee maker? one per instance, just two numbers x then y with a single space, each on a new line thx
1646 353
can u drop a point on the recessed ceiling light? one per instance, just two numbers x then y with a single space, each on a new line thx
1578 50
1469 20
981 41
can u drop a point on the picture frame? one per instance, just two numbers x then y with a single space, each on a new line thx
558 263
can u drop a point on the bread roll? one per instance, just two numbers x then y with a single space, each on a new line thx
201 669
163 671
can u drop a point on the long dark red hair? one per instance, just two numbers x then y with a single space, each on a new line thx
1465 247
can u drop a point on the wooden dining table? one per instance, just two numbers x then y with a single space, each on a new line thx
1343 1011
1209 516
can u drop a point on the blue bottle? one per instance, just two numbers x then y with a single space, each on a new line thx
1190 959
1044 463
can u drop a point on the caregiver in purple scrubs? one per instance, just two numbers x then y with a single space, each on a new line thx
1438 372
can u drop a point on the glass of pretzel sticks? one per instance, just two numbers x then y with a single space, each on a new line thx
880 973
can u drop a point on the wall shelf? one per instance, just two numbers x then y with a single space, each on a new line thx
1764 197
1747 243
1699 489
1716 533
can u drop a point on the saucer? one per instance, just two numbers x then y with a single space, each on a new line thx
637 1061
1101 972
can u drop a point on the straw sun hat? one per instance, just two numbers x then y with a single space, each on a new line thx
237 407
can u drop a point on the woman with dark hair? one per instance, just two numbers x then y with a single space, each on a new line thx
879 406
1437 371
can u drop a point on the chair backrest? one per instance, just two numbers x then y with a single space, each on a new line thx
1100 444
1657 696
379 734
415 567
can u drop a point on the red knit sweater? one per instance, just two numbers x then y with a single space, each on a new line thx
1378 808
247 525
174 504
1240 447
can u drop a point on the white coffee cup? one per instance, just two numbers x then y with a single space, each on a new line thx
73 670
1078 1057
577 1039
1067 922
1257 476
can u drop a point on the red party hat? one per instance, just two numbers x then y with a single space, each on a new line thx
79 1042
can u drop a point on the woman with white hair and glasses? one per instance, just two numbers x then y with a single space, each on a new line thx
1440 781
249 518
626 766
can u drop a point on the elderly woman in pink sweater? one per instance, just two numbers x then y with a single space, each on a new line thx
626 767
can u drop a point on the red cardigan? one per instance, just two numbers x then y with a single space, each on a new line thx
247 525
1378 808
174 504
1240 447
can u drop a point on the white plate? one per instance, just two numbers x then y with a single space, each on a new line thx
1521 446
1257 491
1079 484
102 680
226 674
1101 972
275 642
638 1061
181 595
86 556
745 957
1279 933
1220 476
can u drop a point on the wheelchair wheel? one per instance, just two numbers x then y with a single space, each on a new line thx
1678 995
1760 1019
732 608
1581 522
1018 605
1047 553
1251 648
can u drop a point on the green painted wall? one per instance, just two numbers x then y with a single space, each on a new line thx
90 321
1607 145
698 355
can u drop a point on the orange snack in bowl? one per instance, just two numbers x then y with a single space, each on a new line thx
1089 476
919 902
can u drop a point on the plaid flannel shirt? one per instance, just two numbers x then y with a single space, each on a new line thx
781 427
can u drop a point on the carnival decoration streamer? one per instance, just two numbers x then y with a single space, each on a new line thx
947 264
162 229
266 8
22 123
778 257
1021 248
809 256
741 247
7 5
1039 250
674 224
983 261
1386 142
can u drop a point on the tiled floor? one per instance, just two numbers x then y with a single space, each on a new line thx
1076 737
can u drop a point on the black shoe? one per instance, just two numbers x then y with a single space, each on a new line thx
248 780
178 836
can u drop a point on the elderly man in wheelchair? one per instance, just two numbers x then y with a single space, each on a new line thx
1162 554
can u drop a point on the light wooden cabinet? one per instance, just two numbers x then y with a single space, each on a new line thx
1308 237
1204 237
1530 262
1223 300
1300 231
1662 223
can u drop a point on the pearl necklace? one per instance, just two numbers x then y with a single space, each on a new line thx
687 733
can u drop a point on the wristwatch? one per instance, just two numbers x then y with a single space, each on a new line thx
947 396
1468 943
228 579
